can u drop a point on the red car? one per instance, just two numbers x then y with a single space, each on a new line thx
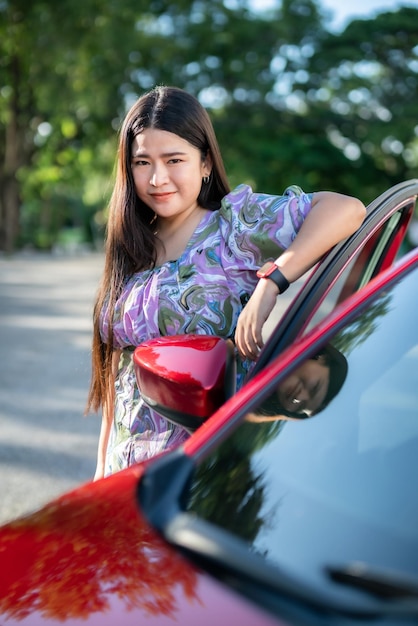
294 503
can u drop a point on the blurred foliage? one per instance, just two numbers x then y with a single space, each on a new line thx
291 101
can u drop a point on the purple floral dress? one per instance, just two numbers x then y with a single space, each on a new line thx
202 292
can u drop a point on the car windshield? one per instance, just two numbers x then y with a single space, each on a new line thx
323 473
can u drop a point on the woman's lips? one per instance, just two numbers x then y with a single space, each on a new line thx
162 196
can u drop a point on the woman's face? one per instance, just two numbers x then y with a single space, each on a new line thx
167 172
305 389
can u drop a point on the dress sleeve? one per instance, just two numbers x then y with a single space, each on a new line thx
258 227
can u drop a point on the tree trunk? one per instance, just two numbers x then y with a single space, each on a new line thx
9 195
9 214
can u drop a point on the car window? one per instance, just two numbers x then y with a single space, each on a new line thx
310 480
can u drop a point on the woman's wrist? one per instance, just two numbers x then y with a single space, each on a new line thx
271 271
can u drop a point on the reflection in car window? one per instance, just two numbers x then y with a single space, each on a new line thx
307 390
338 486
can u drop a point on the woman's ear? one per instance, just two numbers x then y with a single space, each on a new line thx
207 164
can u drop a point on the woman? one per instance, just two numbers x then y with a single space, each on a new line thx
307 390
182 256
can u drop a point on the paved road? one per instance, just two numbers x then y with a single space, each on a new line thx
47 446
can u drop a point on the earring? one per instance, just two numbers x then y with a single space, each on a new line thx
206 179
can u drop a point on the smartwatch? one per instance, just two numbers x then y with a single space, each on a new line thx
270 270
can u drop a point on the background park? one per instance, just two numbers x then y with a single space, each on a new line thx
293 99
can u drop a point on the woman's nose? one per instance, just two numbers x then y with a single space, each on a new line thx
158 177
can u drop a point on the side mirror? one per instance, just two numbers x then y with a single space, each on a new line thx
185 378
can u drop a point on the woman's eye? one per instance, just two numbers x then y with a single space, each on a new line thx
139 162
175 161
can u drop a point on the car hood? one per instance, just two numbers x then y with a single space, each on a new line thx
91 557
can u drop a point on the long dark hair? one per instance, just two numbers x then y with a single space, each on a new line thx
130 242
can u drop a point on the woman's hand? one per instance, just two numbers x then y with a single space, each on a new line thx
248 335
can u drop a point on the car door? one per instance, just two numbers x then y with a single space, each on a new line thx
346 268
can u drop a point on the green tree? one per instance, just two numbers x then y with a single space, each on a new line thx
62 71
291 102
363 89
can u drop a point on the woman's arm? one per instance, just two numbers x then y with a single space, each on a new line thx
107 421
332 218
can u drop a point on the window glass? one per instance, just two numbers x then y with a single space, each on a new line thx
323 470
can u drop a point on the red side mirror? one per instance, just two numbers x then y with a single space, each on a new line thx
185 378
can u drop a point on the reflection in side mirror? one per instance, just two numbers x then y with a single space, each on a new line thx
185 378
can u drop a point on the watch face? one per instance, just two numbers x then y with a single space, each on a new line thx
266 269
270 270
